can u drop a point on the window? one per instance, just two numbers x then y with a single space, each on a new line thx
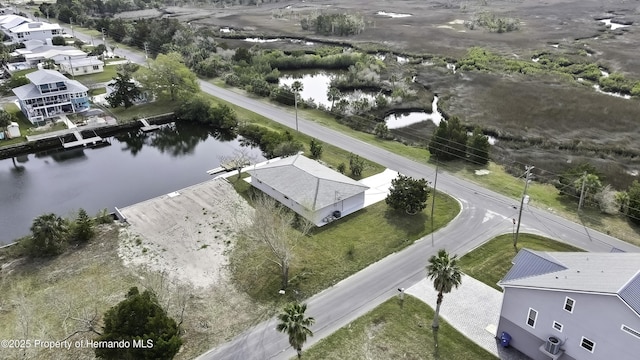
531 318
568 304
557 326
587 344
635 333
96 67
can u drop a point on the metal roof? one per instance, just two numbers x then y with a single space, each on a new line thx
598 273
631 293
307 182
45 76
530 264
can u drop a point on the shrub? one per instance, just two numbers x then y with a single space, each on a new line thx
315 147
83 230
48 236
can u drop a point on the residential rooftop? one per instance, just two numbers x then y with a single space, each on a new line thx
601 273
307 182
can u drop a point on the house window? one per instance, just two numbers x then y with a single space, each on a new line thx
557 326
568 304
587 344
96 67
531 317
635 333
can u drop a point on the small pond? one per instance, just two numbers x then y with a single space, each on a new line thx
392 14
315 86
398 120
612 25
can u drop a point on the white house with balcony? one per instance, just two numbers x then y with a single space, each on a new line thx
50 93
21 29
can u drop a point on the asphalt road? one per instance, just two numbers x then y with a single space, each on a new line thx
484 215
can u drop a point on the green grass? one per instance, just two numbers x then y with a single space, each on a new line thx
107 75
143 110
23 72
25 125
94 92
331 155
393 332
490 262
339 249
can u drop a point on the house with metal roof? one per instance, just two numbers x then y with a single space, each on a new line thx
21 29
312 190
572 305
49 94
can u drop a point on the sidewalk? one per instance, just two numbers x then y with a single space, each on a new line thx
461 309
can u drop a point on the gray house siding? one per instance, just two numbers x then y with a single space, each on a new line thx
587 319
524 341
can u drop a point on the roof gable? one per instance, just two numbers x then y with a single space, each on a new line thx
631 293
307 182
528 263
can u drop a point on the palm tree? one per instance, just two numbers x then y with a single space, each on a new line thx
446 274
48 234
296 87
296 325
333 95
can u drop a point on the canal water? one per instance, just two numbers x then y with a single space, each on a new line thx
136 167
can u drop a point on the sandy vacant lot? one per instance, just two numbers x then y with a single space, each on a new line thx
186 233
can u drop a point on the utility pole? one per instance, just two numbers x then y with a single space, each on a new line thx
72 32
527 176
104 42
295 95
433 200
584 182
146 55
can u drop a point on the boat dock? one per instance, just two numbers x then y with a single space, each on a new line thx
146 127
80 141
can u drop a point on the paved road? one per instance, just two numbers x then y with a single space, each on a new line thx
484 215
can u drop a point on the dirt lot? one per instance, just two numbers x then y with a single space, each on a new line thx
52 299
516 107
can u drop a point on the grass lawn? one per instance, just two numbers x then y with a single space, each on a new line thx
490 262
337 250
94 92
143 110
107 75
25 126
23 72
393 332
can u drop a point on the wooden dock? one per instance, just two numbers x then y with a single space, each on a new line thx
146 127
80 141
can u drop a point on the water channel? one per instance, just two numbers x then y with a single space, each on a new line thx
136 167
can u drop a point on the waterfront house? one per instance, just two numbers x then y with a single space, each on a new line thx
49 94
573 305
21 29
309 188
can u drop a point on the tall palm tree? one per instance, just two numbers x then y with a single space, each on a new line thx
295 324
297 88
446 274
333 95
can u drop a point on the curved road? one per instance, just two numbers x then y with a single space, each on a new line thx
484 215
